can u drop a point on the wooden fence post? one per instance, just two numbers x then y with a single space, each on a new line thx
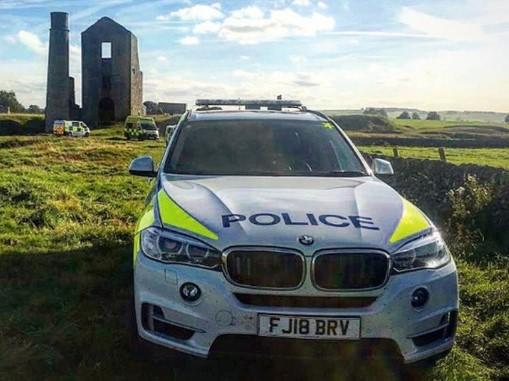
395 152
441 152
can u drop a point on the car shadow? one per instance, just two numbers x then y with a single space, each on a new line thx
65 313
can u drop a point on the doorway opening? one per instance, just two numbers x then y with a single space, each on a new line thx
106 110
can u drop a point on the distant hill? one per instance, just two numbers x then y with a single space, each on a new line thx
474 116
364 123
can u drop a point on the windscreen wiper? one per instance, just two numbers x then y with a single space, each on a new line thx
341 174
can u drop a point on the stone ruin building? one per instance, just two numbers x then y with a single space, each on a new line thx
112 82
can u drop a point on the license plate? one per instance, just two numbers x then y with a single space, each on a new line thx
330 328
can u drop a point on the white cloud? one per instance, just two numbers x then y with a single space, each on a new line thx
190 40
26 77
437 27
32 41
239 73
207 27
322 5
198 12
489 12
245 58
162 59
75 53
301 3
251 25
298 59
345 4
10 39
250 12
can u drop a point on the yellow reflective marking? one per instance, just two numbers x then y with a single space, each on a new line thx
147 219
412 222
136 246
174 215
327 125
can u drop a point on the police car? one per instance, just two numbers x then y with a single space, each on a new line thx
266 232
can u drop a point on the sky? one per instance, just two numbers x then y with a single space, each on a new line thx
330 54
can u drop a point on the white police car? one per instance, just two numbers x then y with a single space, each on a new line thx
266 231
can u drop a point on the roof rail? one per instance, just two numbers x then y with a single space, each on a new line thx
250 103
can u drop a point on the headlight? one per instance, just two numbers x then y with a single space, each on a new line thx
429 252
170 247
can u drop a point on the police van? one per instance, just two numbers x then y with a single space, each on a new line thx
267 231
140 127
70 128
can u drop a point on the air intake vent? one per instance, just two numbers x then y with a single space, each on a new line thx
290 301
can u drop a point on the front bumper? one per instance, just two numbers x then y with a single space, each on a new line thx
218 314
151 135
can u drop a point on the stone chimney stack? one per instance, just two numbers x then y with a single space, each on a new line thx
57 90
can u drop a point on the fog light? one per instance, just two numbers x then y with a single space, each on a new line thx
190 292
419 298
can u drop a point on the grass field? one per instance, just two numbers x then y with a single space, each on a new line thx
494 157
22 118
67 211
456 117
439 124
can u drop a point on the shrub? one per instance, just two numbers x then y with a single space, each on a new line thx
469 203
375 111
433 115
364 123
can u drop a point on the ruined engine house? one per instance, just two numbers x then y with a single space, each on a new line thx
112 83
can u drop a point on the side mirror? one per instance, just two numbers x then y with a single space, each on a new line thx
382 167
169 130
143 166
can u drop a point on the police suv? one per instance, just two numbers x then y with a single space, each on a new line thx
267 232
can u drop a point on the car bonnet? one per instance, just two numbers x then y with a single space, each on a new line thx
230 211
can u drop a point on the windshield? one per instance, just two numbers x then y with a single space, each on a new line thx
148 126
262 148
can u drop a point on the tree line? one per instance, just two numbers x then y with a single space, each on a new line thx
432 115
9 103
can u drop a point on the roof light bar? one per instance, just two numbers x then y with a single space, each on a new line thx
249 102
